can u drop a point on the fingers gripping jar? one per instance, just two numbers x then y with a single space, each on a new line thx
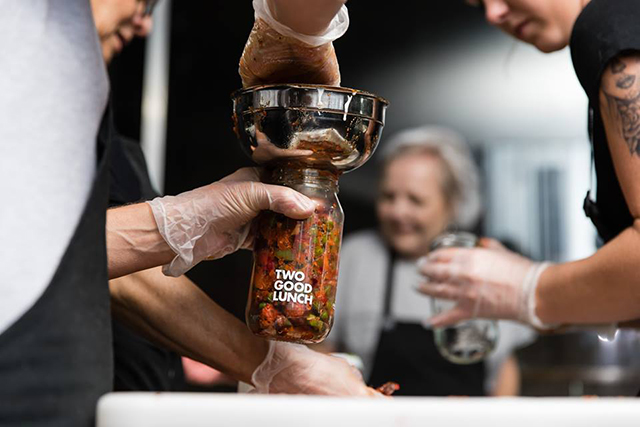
295 272
469 341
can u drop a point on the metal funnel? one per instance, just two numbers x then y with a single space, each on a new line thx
310 123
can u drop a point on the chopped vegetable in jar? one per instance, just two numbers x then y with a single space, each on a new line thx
295 274
388 388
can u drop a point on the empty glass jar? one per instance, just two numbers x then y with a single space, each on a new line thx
469 341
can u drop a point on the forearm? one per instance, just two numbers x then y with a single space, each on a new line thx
175 313
133 241
508 380
603 288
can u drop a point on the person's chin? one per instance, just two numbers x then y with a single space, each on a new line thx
549 44
405 247
111 48
107 54
549 48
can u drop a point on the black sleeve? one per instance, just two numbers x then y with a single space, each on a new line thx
129 182
604 29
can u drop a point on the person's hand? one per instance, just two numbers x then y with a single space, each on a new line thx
488 282
278 52
296 369
213 221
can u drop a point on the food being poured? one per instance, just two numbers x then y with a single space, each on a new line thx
325 144
269 57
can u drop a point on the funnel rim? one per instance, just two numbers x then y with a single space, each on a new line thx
340 89
311 109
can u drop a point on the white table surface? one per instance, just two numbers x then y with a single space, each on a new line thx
227 409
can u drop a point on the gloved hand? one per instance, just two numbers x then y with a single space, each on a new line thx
213 221
278 52
295 369
490 282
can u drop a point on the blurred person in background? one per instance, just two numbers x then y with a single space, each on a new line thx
604 38
429 184
55 324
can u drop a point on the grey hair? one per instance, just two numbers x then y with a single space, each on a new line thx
455 154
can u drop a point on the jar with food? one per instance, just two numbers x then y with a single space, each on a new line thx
469 341
295 272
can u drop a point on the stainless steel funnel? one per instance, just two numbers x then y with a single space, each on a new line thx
312 123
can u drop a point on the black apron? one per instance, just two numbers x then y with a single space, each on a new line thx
407 354
56 361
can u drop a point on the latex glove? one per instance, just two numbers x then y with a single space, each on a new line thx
213 221
485 282
277 53
313 22
295 369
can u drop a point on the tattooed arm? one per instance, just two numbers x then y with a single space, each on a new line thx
606 286
620 107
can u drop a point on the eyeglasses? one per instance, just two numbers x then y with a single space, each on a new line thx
149 5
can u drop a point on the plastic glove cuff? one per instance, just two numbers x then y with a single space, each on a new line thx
334 31
529 286
183 260
260 384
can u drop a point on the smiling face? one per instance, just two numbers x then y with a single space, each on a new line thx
118 22
546 24
412 207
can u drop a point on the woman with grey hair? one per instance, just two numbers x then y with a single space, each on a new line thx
459 177
429 183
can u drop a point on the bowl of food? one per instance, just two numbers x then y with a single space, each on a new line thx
310 123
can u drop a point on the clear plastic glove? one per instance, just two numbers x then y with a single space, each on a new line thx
295 369
278 53
213 221
490 282
313 22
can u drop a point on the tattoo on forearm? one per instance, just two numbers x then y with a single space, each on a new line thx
624 100
626 81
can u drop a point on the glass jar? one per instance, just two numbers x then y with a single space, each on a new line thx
295 271
469 341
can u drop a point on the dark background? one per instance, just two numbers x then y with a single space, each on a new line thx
207 39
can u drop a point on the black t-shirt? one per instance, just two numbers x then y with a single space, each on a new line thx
604 29
138 364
